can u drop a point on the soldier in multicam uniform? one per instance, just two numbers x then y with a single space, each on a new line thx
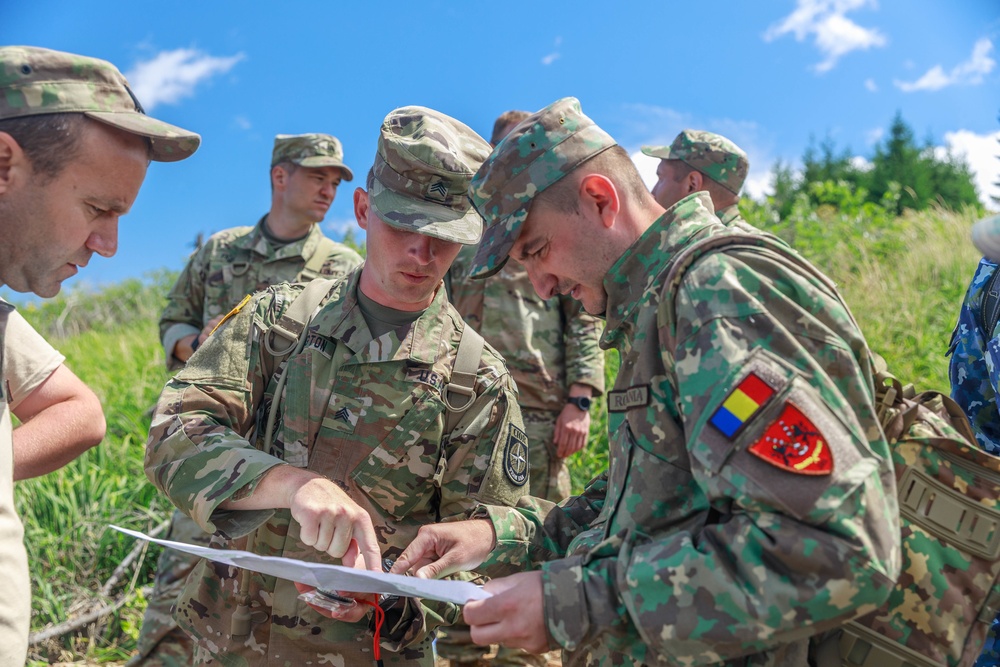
552 347
74 148
286 245
750 502
699 161
975 383
362 436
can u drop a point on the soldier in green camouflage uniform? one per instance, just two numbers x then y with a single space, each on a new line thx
362 436
552 347
702 161
75 144
750 502
286 245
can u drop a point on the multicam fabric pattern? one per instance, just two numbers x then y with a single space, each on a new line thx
37 81
711 154
690 550
522 166
420 179
365 413
240 261
314 149
548 345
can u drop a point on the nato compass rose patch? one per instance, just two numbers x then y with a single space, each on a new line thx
515 456
793 443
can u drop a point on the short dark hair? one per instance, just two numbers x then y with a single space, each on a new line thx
614 163
721 196
50 141
505 123
287 165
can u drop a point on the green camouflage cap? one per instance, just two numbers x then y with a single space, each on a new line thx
36 81
543 148
711 154
310 150
420 179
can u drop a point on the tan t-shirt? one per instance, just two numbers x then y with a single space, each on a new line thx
26 360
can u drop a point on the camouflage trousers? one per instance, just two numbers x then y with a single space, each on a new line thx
549 479
161 643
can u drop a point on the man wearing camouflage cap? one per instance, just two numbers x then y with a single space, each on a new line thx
383 422
699 160
286 245
750 501
552 347
74 148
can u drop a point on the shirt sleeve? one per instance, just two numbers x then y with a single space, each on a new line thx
786 546
28 359
197 453
183 314
582 336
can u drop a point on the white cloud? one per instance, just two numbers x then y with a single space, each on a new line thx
555 55
834 34
861 163
970 72
873 136
172 75
646 166
243 122
980 152
871 85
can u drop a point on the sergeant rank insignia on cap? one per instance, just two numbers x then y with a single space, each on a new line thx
792 442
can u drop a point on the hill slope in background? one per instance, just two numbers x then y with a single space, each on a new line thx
904 278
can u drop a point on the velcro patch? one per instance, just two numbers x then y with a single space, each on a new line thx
741 404
515 456
626 399
793 443
425 376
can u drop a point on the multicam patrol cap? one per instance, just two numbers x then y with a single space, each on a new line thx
543 148
36 81
711 154
310 150
420 179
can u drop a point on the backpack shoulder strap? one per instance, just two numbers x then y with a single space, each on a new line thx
989 305
319 256
291 329
463 377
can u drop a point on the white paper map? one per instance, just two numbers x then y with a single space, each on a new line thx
330 577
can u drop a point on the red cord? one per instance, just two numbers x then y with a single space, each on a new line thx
379 619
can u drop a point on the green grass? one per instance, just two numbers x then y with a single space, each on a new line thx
904 279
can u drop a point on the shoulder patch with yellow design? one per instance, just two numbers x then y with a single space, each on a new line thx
232 312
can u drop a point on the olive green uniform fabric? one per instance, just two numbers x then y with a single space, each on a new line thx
691 549
240 261
365 413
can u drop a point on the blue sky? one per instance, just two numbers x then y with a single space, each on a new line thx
769 75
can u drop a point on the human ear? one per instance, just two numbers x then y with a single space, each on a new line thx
601 193
12 160
361 206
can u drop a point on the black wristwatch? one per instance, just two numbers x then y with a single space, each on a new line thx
195 344
581 402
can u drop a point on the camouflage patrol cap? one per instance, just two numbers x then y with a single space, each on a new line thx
541 150
711 154
420 179
36 81
310 150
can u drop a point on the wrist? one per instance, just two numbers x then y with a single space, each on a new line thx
581 402
195 343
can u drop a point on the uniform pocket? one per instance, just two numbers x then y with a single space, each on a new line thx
398 473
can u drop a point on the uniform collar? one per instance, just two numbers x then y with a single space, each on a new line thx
637 275
257 243
728 213
342 318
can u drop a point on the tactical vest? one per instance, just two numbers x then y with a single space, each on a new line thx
948 591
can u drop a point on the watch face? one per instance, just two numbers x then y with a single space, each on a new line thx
581 402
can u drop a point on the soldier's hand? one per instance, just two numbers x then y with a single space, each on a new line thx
572 428
513 616
350 613
440 549
329 520
209 327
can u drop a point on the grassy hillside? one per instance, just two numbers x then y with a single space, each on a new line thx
903 278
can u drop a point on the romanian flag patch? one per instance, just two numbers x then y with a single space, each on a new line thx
741 404
793 443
